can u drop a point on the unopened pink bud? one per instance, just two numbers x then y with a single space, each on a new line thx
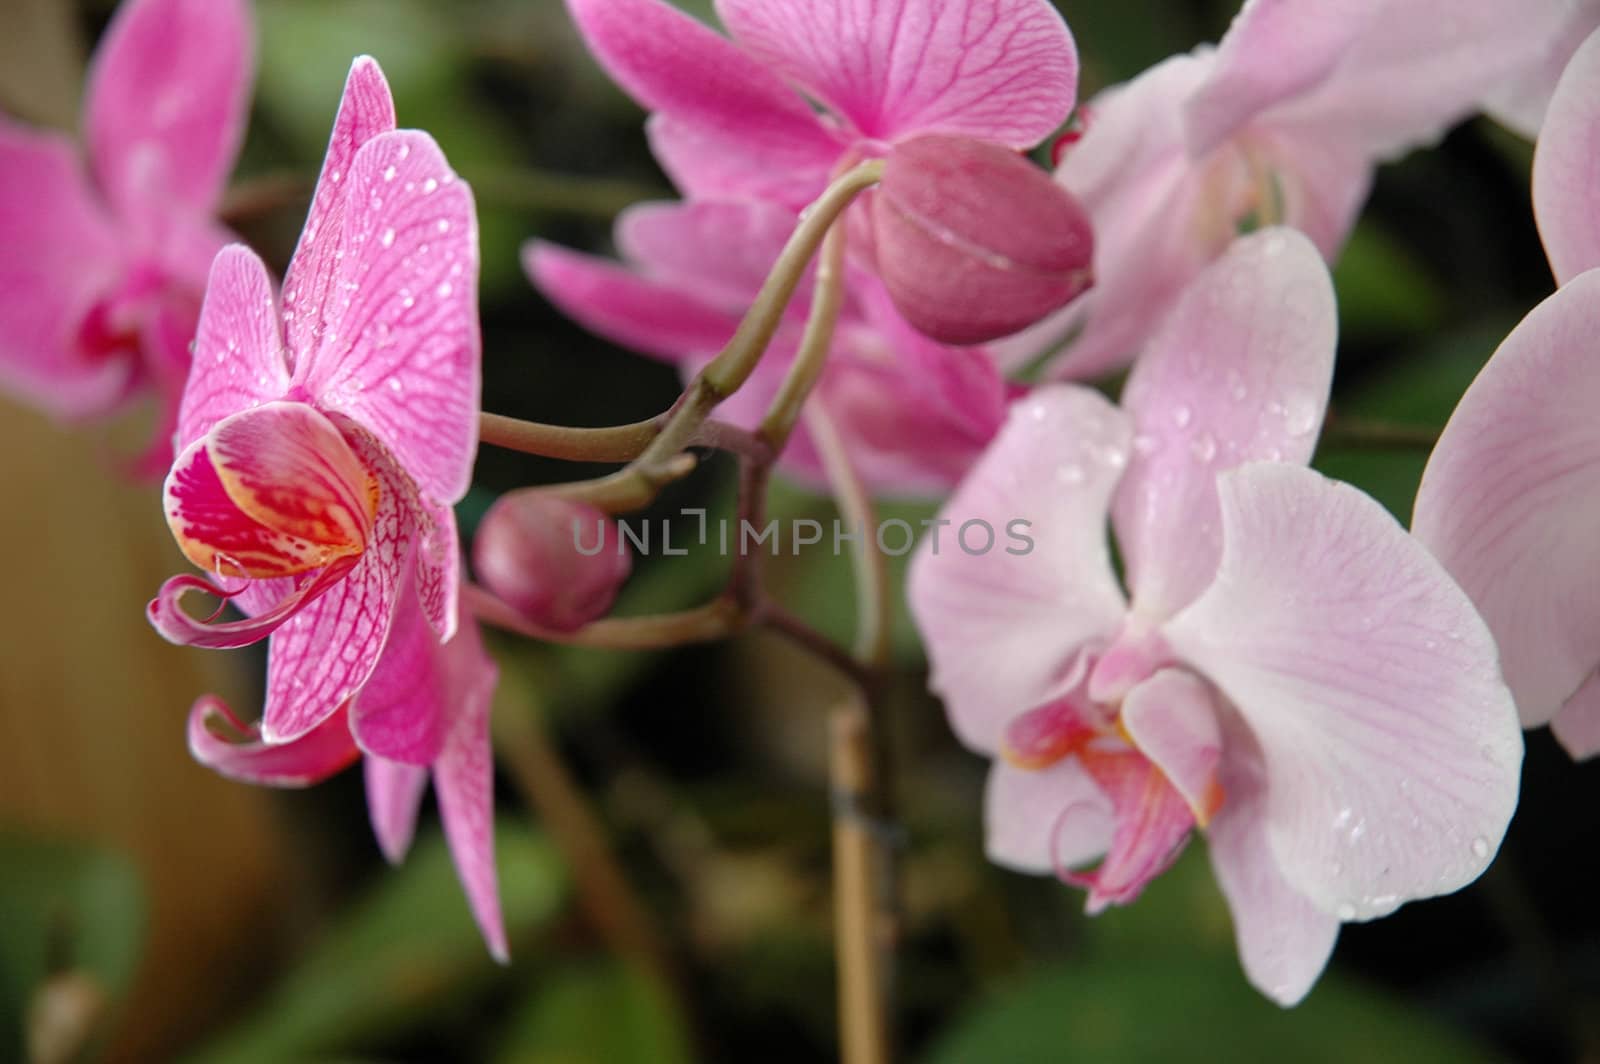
975 242
557 562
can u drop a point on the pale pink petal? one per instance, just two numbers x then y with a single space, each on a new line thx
1152 824
1274 50
1577 723
222 742
365 110
169 91
463 778
1511 496
721 251
1239 372
324 656
710 163
1172 720
1566 168
400 350
640 314
402 711
1369 682
1002 627
61 257
733 121
1026 823
1284 940
238 350
1002 70
1521 103
394 795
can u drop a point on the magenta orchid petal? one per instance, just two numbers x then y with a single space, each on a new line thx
1577 724
238 351
323 658
722 251
463 779
1000 626
636 312
400 714
225 744
1509 498
365 110
1239 372
1172 720
1027 826
1004 71
265 615
1342 643
1275 50
394 796
723 110
438 568
1284 940
61 258
168 94
399 351
707 162
1566 168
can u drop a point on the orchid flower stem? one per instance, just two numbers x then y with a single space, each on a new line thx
806 370
659 464
705 624
609 902
619 443
1368 434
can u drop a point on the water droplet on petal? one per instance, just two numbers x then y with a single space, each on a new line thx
444 225
388 238
1203 447
1181 416
388 174
429 185
1347 912
1480 847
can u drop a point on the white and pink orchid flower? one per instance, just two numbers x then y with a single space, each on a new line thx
1521 103
1293 673
417 678
1511 495
914 413
321 444
104 268
1283 122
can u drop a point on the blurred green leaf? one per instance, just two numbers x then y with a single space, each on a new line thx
601 1013
1383 290
399 956
67 907
1188 1007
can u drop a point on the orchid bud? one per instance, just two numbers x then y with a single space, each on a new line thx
975 242
557 562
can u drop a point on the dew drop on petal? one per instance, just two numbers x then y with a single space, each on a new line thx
1181 416
1480 847
444 225
429 185
388 238
1347 912
444 290
1203 447
388 174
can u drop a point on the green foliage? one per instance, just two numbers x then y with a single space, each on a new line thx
597 1013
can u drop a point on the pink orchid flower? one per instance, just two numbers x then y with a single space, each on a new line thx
101 281
735 118
1508 498
1284 122
1294 674
321 444
1521 103
416 678
914 413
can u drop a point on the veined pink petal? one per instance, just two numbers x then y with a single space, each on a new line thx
1152 824
640 314
267 603
1275 50
394 794
1026 826
400 351
1004 627
721 251
402 711
365 110
242 756
1512 492
438 569
708 162
1002 70
168 94
323 657
1239 372
1368 681
1566 168
714 95
1284 940
61 256
238 350
1577 724
1172 720
463 778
